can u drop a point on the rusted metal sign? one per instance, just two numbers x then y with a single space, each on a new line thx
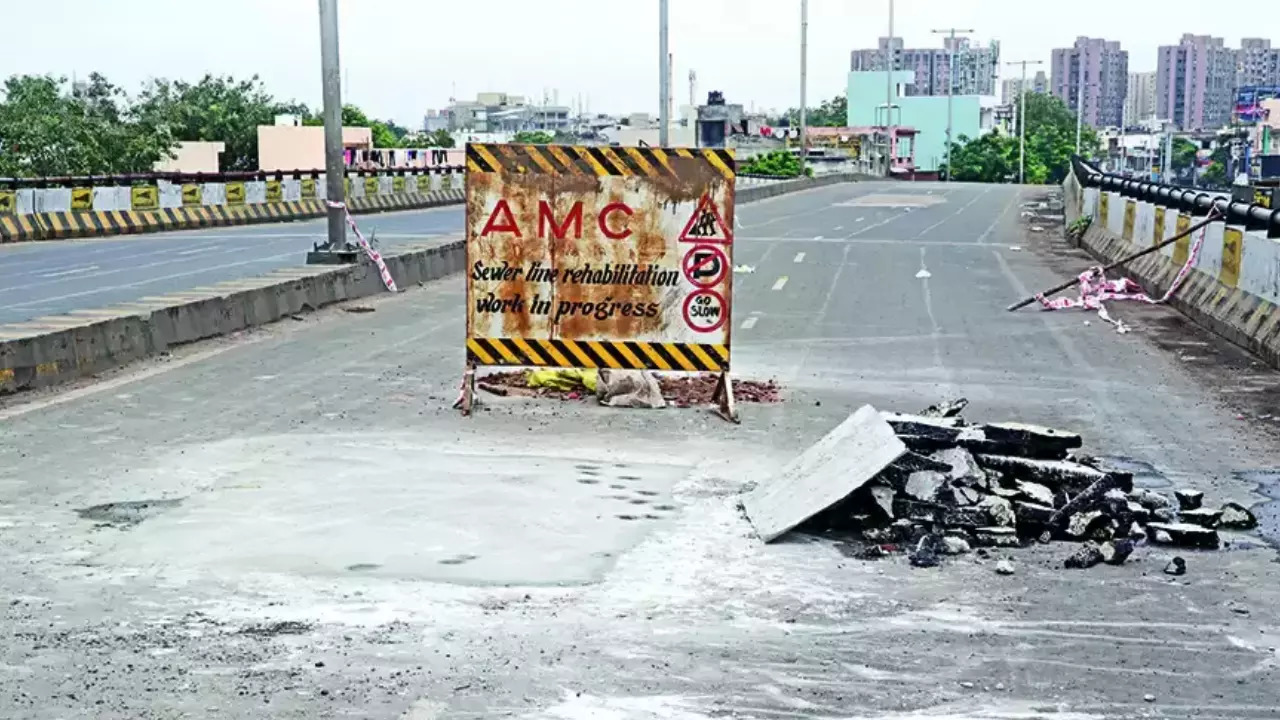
599 257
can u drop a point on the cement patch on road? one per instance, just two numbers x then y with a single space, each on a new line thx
887 200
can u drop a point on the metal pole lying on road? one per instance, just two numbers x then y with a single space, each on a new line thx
334 167
664 76
1213 217
804 68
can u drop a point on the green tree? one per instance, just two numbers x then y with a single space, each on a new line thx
831 113
441 139
777 163
1050 143
534 137
216 108
47 130
1184 153
1215 174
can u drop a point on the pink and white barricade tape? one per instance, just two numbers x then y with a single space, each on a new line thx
1095 289
374 255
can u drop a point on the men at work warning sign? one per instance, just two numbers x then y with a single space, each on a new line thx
599 256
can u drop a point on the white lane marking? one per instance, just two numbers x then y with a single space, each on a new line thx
72 271
750 322
859 220
924 274
935 331
196 251
839 227
957 212
799 257
817 237
982 239
780 283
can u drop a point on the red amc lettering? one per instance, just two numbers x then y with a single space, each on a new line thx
508 222
604 220
546 217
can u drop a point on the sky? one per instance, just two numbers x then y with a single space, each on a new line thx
402 57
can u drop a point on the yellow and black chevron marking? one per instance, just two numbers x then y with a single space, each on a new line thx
598 354
18 228
593 160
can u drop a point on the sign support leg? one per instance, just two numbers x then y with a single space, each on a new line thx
723 398
467 394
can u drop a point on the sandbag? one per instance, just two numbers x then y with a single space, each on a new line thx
629 388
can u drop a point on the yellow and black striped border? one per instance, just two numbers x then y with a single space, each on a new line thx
594 160
598 354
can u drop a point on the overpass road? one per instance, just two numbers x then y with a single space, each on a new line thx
316 534
56 277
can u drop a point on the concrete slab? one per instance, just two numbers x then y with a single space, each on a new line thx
844 460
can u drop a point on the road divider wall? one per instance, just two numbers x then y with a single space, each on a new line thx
80 211
52 350
1234 289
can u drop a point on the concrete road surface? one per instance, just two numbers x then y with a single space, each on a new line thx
293 523
49 278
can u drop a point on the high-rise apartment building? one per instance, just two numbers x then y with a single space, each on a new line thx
1106 79
975 72
1196 82
1009 88
1257 63
1140 103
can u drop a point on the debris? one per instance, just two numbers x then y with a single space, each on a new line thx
1086 557
744 269
1004 567
884 498
995 537
999 510
1189 499
1176 566
1079 525
359 309
927 550
1117 552
564 379
628 388
1035 492
951 408
1204 517
1235 516
847 458
952 545
923 485
1184 535
1050 473
1149 697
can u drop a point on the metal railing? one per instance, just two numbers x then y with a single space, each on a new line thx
1194 201
231 176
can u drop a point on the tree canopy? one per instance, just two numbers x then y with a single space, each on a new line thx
831 113
534 137
48 127
1050 142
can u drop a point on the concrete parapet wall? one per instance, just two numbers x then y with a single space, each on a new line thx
1234 289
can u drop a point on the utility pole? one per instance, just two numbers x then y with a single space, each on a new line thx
334 167
804 70
1022 119
1079 98
951 82
888 98
664 75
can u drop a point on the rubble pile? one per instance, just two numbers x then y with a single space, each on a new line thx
960 486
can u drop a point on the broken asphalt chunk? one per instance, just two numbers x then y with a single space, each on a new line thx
1235 516
999 511
1050 473
1204 517
1189 499
1176 566
1183 535
1031 436
924 485
1035 492
950 408
1032 516
1085 557
830 470
995 537
1115 553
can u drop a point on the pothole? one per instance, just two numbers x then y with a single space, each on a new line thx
127 513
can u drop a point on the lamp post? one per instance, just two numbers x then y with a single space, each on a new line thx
1022 119
951 82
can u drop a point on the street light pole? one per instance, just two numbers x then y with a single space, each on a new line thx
334 167
664 75
888 98
951 83
804 70
1079 98
1022 118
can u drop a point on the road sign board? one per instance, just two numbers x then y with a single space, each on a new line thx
575 257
